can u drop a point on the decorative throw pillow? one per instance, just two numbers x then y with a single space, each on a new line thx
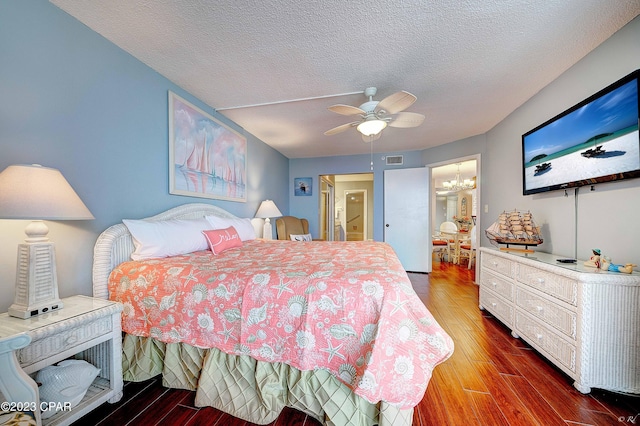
300 237
243 226
222 239
153 239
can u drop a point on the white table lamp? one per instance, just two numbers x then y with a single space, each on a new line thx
267 210
37 193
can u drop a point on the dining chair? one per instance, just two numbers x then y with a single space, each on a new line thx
444 241
439 246
468 248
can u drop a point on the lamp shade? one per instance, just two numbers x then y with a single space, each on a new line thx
371 127
268 209
39 193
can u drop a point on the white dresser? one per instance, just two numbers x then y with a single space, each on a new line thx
584 320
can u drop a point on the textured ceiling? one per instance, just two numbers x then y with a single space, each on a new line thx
470 63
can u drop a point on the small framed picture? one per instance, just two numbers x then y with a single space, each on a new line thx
302 186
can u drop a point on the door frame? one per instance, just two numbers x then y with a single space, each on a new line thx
477 201
327 208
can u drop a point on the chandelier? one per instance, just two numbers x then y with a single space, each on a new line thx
457 184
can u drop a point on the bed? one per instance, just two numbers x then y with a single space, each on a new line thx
333 329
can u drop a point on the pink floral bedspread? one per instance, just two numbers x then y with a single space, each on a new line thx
347 307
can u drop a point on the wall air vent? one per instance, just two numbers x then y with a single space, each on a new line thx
394 160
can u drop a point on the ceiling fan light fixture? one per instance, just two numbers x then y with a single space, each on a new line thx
371 127
374 116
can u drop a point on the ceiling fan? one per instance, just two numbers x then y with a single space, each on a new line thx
376 115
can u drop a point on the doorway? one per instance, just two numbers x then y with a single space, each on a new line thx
355 212
332 212
455 195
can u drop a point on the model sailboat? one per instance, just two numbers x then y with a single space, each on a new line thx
514 228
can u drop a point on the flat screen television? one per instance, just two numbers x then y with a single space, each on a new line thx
595 141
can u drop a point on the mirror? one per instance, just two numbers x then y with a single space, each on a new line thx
451 206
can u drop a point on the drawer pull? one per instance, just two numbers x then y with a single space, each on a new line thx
494 263
539 336
494 304
494 284
539 309
541 280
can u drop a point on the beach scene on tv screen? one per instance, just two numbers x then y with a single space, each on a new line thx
598 139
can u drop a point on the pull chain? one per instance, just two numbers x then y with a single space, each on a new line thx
371 143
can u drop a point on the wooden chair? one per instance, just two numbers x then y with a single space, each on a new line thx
287 225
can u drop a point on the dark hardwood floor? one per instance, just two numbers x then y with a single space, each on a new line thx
492 378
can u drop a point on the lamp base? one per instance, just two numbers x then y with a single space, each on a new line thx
267 230
36 281
25 312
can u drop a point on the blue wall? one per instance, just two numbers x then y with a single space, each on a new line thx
308 207
74 101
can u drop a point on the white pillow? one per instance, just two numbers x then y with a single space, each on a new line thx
167 237
300 237
244 228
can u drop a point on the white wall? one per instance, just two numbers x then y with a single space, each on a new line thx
607 216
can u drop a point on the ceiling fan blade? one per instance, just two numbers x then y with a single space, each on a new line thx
371 138
341 128
397 102
407 119
346 110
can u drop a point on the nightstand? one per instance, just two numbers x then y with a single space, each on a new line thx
86 328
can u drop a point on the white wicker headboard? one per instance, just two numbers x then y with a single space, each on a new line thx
115 245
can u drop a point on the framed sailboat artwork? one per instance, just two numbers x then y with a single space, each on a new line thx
207 159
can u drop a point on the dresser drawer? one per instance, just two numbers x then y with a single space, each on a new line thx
557 286
497 306
49 346
550 313
497 264
498 284
554 347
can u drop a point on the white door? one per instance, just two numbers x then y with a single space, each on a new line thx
406 217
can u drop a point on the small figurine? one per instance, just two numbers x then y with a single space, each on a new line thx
627 268
594 260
